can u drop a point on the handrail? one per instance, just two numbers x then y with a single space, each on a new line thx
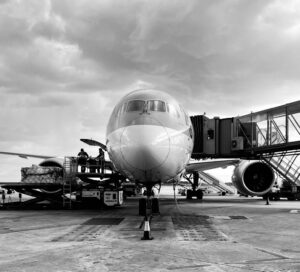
278 130
293 119
261 133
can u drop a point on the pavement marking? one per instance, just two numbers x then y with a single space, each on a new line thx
294 211
103 221
230 217
83 233
187 267
222 217
196 228
238 217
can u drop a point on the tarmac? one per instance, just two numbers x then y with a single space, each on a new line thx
218 233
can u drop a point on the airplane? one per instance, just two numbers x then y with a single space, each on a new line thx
149 140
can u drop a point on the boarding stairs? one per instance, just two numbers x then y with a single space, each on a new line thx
69 177
215 183
286 165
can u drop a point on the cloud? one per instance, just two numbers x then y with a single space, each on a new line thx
64 64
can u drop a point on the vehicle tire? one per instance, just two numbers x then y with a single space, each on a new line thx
199 194
189 194
142 206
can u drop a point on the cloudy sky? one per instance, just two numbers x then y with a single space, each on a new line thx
64 64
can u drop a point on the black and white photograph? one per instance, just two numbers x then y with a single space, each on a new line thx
140 135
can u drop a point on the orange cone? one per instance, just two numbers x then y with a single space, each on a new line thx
147 235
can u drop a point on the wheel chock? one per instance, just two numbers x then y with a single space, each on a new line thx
147 235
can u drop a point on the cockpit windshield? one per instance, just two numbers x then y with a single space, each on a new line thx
135 105
157 105
173 111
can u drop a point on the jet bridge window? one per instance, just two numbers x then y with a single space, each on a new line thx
210 134
156 105
136 105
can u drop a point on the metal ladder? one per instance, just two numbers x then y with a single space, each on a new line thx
69 176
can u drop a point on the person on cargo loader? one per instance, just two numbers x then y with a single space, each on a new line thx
100 161
82 159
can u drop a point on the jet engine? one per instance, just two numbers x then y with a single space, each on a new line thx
57 162
253 178
52 162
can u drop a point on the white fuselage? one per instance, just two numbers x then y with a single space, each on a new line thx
149 137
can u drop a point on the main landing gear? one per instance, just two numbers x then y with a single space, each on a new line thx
195 183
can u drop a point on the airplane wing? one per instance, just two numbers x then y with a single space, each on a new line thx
26 156
94 143
210 164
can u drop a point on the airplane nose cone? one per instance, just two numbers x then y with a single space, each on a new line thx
145 144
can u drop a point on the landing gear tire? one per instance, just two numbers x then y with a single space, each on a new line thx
142 207
155 205
189 194
199 194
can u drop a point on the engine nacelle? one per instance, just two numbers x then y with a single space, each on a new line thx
253 178
52 162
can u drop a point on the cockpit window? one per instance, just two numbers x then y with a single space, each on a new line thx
136 105
121 109
187 118
157 105
173 111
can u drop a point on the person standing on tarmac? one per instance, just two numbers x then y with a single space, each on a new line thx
82 159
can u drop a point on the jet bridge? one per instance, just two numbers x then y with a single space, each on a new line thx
272 135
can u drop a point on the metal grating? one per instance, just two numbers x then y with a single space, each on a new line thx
238 217
103 221
196 228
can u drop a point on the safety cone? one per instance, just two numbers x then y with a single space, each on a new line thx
147 235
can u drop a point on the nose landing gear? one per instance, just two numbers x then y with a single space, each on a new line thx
149 205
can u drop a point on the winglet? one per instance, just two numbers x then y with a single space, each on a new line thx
94 143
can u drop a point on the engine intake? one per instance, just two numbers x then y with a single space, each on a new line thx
253 178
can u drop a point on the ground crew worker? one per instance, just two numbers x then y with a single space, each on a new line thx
3 196
9 192
82 159
100 161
